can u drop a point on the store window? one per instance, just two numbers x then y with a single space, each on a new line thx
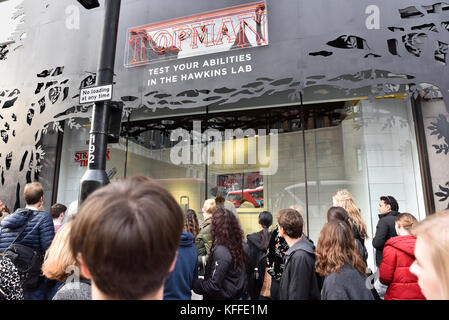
152 151
269 159
368 148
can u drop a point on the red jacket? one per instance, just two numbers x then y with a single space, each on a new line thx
398 255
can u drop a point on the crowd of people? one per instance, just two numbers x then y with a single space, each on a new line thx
131 240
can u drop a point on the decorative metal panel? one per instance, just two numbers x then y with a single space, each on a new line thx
321 49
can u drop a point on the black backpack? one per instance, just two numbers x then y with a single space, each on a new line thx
28 261
256 274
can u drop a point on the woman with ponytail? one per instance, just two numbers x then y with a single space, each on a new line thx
397 257
257 254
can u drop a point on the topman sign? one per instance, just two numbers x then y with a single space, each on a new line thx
234 28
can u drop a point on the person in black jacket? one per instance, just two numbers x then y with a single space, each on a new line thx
257 255
225 274
299 280
388 209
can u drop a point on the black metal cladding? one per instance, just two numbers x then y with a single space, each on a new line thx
321 49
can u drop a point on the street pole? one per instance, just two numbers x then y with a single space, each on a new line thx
95 176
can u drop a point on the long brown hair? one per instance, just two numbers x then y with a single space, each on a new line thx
345 200
225 230
336 246
191 222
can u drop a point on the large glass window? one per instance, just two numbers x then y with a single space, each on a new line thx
269 159
154 149
368 148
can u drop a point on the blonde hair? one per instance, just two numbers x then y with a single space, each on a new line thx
345 200
59 256
210 205
435 229
406 221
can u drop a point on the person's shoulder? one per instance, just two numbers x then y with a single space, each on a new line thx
74 291
43 213
222 251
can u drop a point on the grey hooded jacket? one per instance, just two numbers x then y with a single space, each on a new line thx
299 280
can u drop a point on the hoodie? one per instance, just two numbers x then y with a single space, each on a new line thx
398 256
179 283
299 280
38 234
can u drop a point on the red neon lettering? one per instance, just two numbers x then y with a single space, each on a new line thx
180 34
138 43
224 30
207 34
244 24
162 40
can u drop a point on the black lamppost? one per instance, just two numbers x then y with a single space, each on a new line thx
95 176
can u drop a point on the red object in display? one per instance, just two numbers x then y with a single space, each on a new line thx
254 196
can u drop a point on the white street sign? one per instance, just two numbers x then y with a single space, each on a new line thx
95 94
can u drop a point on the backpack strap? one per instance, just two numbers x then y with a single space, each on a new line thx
30 216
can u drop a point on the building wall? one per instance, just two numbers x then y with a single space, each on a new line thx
436 124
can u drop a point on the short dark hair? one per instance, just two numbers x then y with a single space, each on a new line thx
265 219
337 213
391 201
57 209
127 234
291 221
33 192
219 199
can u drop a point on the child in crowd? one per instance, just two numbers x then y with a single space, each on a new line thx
397 257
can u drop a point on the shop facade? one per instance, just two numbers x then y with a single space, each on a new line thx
277 103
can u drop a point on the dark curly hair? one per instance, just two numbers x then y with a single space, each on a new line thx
191 222
225 231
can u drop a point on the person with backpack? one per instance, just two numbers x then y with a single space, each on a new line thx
257 255
29 232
